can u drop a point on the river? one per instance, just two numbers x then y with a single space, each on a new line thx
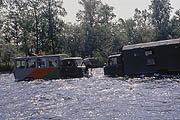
95 98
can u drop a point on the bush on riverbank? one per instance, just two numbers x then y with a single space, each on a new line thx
98 62
8 68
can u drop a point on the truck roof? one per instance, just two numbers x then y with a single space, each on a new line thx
116 55
72 58
152 44
29 57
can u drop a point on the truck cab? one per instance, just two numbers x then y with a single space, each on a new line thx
114 66
72 68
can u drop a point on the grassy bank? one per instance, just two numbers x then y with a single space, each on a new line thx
6 68
99 62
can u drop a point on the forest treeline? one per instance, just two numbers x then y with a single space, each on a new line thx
98 32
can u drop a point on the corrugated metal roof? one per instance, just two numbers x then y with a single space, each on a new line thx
152 44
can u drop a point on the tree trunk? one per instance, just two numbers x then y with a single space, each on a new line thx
51 37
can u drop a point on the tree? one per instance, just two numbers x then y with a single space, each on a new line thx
160 13
47 23
119 36
129 28
95 20
7 53
144 28
106 15
73 40
1 3
33 22
104 31
54 10
175 25
11 27
88 18
16 23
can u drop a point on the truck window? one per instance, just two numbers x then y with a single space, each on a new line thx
150 61
20 64
148 52
41 63
30 63
53 61
113 61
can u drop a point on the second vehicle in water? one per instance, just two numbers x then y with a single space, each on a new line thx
161 57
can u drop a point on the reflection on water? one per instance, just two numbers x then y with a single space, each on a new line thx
95 98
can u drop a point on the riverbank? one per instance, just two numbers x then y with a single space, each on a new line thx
6 68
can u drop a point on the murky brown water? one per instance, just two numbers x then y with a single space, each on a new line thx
95 98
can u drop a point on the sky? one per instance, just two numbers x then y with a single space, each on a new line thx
122 8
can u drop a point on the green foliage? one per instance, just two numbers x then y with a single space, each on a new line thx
175 25
161 10
98 62
144 28
1 2
34 22
4 67
73 40
96 20
7 53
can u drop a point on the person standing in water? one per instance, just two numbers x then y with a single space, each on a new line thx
88 64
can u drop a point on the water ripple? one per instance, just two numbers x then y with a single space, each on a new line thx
95 98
